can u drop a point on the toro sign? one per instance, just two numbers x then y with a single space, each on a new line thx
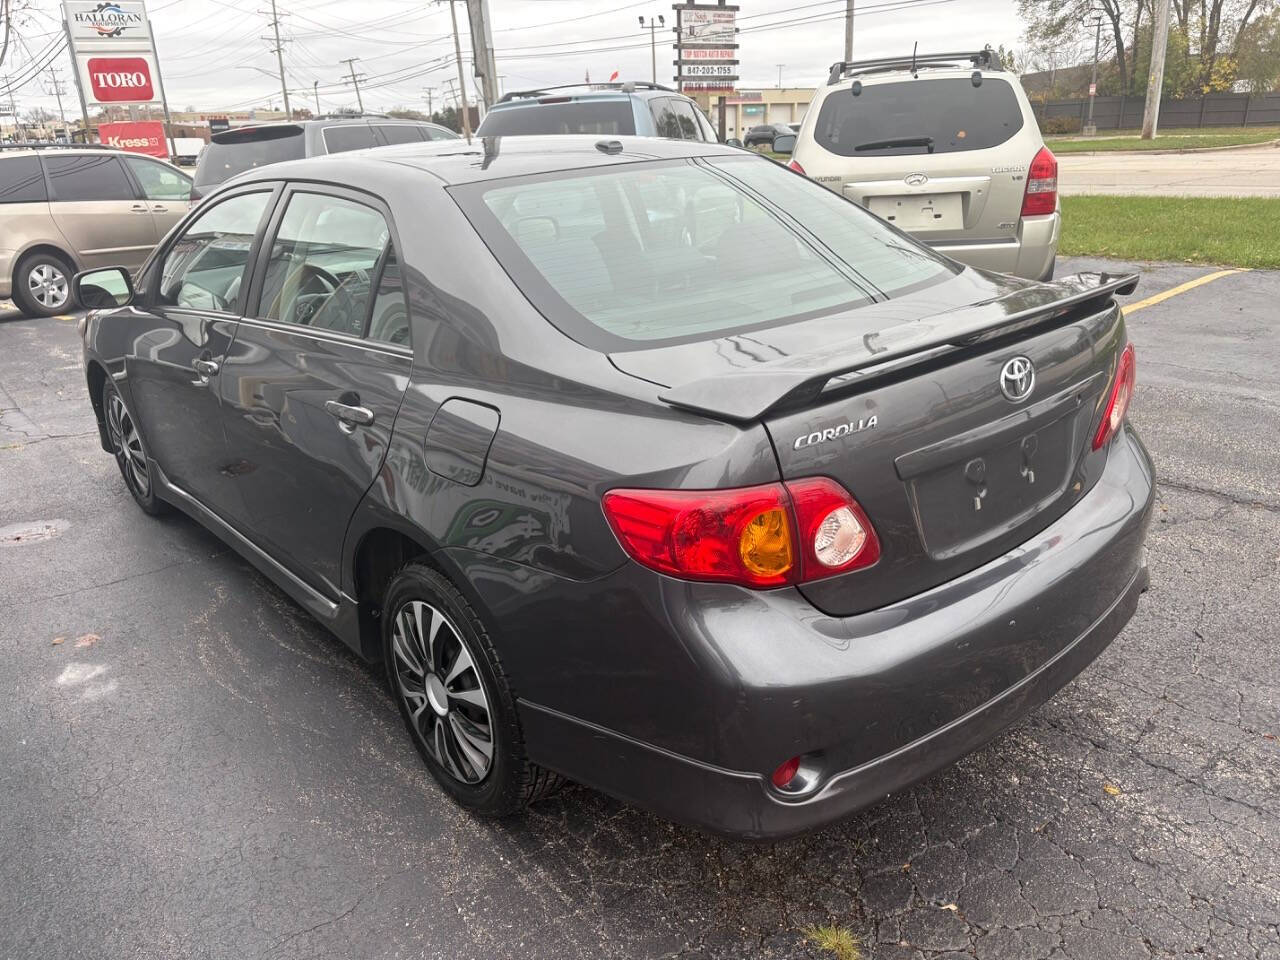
120 79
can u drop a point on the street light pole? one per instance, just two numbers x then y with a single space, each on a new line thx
780 66
653 25
1090 129
315 88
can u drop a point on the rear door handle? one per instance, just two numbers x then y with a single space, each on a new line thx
349 417
159 208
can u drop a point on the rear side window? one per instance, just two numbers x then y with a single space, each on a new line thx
686 119
88 177
665 123
565 117
439 133
400 133
354 136
675 250
22 180
240 150
952 113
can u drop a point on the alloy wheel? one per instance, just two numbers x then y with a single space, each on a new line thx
437 680
127 443
48 286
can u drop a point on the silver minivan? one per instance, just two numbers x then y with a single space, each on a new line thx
944 146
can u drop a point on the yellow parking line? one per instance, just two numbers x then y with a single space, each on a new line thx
1164 295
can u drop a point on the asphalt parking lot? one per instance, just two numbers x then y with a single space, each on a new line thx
198 770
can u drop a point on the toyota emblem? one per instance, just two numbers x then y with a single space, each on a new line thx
1017 379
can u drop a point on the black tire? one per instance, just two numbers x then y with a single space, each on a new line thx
131 455
510 782
42 285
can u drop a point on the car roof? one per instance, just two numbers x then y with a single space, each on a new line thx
488 158
53 149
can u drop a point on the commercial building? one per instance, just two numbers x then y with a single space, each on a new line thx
745 109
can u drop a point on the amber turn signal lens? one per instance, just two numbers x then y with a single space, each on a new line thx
765 543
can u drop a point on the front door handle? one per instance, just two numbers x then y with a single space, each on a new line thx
206 368
348 416
139 208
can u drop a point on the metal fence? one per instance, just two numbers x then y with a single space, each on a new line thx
1214 110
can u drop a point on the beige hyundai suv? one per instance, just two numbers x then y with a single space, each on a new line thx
63 210
944 146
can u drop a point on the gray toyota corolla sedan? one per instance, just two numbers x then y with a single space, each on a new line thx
649 464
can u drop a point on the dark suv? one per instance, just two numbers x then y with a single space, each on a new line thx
607 109
243 148
646 463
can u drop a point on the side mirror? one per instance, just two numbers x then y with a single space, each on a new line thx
103 289
733 142
784 143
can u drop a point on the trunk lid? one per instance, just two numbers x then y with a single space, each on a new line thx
911 417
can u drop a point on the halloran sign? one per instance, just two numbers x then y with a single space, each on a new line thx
121 21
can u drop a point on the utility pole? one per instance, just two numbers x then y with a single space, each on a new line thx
315 88
57 92
279 49
780 66
482 57
653 25
848 30
355 80
462 79
1090 128
1155 78
18 131
430 112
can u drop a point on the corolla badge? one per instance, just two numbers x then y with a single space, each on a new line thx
833 433
1017 379
915 179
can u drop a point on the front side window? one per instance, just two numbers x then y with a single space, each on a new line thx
204 269
89 176
400 133
158 181
678 250
324 261
914 117
22 180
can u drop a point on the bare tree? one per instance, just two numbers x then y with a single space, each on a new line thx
1051 23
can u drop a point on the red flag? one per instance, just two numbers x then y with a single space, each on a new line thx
613 76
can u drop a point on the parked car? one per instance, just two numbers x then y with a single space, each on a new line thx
245 148
606 109
944 146
690 481
64 209
763 135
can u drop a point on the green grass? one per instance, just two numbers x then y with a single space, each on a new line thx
1166 140
1232 231
837 941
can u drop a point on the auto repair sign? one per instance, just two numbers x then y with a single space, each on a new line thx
119 79
144 137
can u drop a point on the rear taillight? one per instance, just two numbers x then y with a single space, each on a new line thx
1118 402
1041 196
765 536
796 167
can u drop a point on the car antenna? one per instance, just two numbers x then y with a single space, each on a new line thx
914 47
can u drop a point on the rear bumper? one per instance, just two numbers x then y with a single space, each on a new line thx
881 699
1029 255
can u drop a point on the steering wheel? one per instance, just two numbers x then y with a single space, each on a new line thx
317 285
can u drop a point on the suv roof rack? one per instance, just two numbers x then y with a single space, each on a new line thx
57 146
626 86
986 58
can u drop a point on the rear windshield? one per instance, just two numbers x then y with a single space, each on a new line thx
236 152
681 250
899 119
575 116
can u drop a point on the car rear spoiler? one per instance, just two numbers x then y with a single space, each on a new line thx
750 393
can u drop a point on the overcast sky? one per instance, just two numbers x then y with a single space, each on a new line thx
212 56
